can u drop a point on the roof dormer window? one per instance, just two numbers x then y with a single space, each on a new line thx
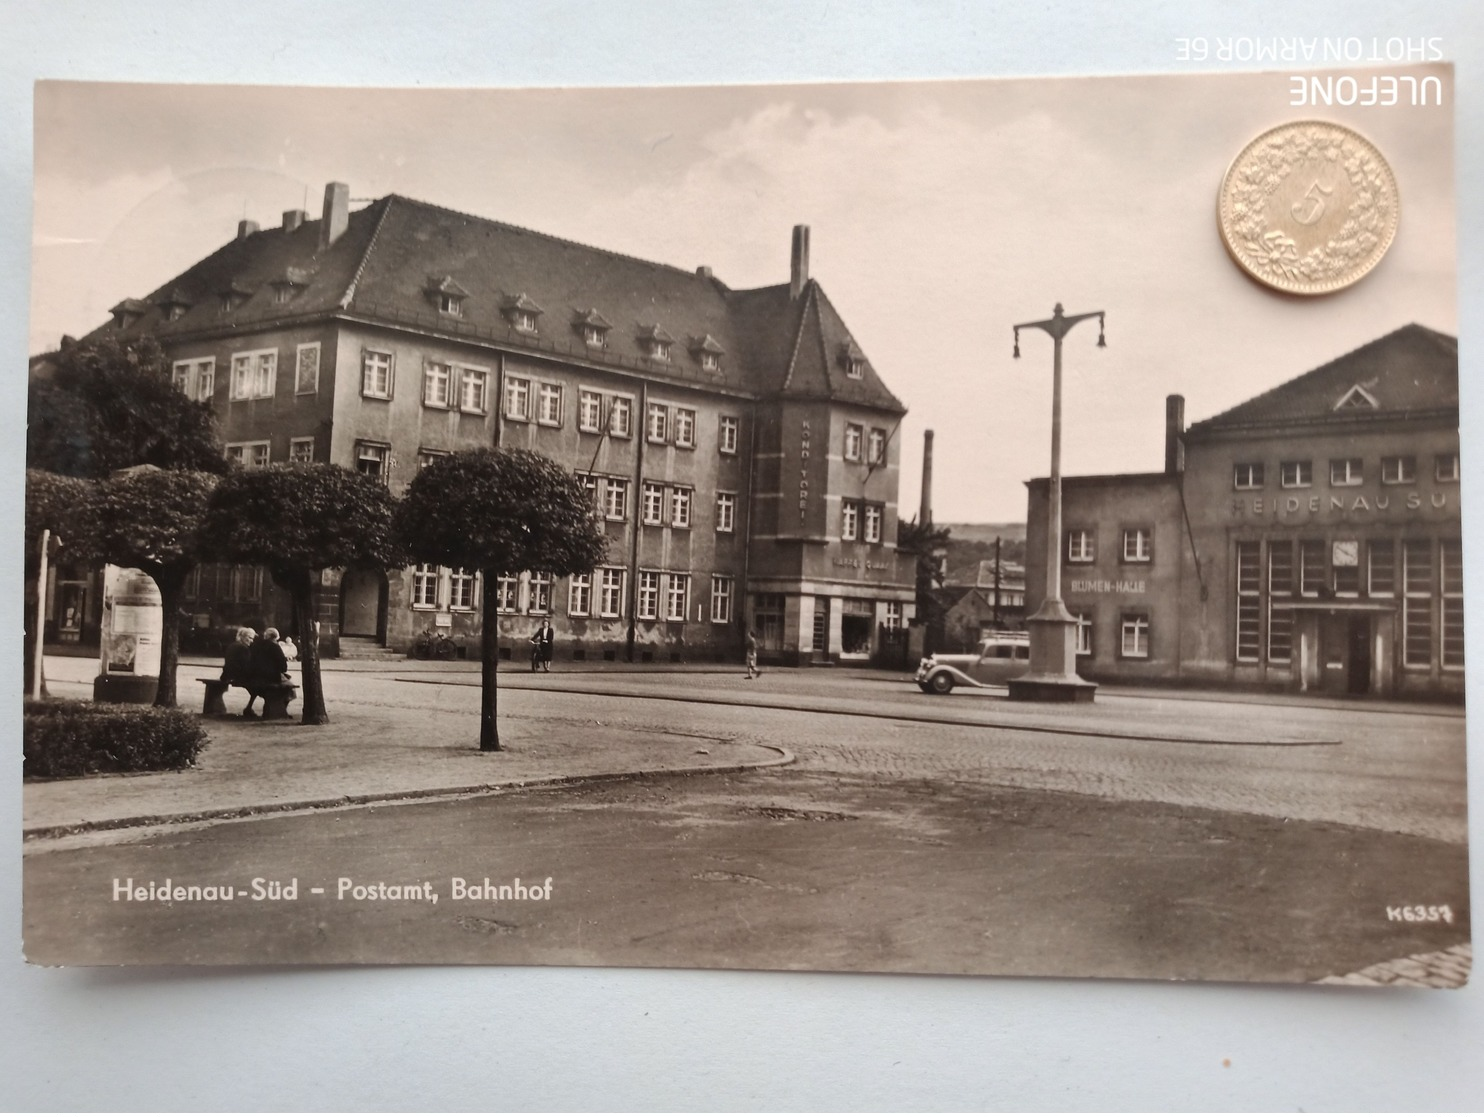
446 295
287 286
522 313
655 343
708 353
594 329
174 305
852 360
126 313
233 296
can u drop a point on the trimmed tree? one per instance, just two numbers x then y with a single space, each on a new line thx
110 404
298 521
150 519
497 511
50 501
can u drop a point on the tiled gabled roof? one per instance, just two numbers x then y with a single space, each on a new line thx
380 268
1410 370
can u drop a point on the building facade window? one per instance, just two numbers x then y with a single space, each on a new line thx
1248 475
657 426
518 399
1451 556
301 449
621 417
1080 545
590 412
1249 602
726 511
1084 633
590 486
1135 630
1280 593
727 441
1445 467
1344 472
374 459
473 390
1138 544
435 384
1401 470
507 593
654 503
1381 568
540 592
424 586
876 446
680 505
549 405
647 603
893 619
306 369
195 379
854 432
461 589
249 455
1311 567
451 305
254 374
610 586
873 523
849 519
1417 587
616 499
376 374
1296 475
685 428
426 458
677 596
722 593
579 595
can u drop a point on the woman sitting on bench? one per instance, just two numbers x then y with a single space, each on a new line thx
237 669
268 666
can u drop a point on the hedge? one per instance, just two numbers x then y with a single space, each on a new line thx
70 738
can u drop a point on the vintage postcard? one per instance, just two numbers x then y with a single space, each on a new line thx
984 527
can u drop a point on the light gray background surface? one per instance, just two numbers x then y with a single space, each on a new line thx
525 1038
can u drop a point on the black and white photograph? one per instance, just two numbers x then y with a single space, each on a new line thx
998 527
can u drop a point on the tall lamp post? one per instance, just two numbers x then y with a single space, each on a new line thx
1053 674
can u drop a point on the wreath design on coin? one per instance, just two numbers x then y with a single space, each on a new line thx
1263 242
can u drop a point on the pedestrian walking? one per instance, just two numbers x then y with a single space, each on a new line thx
752 671
237 668
541 645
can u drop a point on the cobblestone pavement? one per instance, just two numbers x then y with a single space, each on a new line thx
1439 969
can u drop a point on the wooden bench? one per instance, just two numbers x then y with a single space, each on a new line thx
276 699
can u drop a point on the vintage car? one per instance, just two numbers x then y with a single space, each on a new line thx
1001 657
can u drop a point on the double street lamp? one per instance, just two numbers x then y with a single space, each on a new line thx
1053 674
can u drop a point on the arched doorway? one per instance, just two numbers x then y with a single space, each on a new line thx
363 604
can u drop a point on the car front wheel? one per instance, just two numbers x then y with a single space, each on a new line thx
941 683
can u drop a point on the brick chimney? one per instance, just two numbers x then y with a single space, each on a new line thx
246 228
293 218
798 271
336 215
925 513
1174 432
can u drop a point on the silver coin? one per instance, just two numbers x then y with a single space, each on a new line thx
1308 207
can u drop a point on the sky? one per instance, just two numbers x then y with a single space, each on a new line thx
941 214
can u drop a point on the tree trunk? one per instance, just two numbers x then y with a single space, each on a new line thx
170 581
489 658
300 586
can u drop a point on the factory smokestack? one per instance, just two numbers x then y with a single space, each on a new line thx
925 514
